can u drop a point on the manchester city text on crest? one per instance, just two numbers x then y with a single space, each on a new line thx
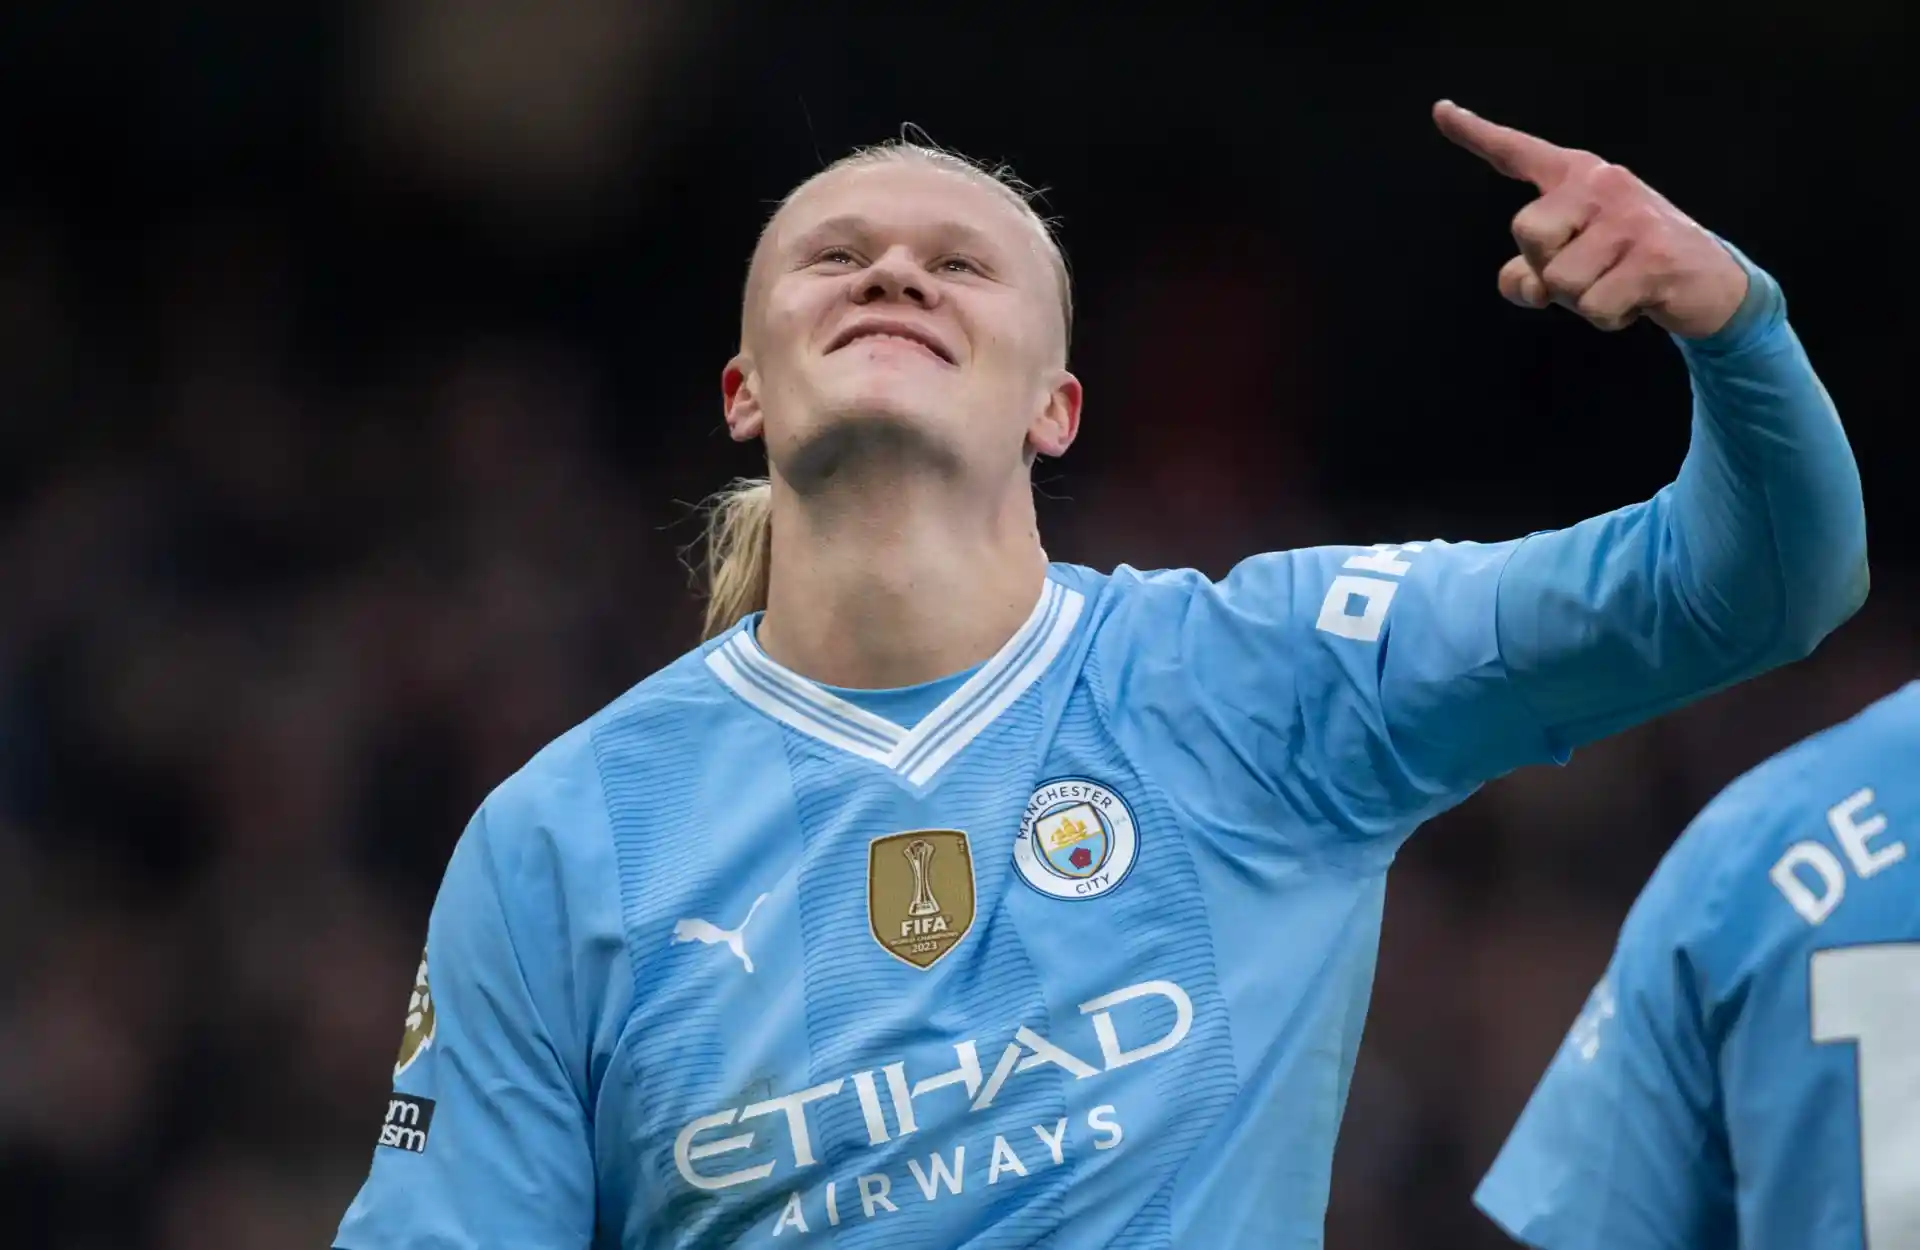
920 893
1077 839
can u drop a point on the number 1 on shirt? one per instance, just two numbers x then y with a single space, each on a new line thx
1870 996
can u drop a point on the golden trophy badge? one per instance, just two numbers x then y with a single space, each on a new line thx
920 897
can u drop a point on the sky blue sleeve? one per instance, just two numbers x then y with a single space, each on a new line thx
1371 688
487 1140
1621 1146
1333 696
1753 554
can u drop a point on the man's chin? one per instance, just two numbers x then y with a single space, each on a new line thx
856 441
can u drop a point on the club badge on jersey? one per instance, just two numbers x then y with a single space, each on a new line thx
1077 839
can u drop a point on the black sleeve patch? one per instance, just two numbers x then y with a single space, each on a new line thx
408 1119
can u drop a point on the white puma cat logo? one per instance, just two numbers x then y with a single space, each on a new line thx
705 931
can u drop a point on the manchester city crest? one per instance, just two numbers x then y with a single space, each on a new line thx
1077 839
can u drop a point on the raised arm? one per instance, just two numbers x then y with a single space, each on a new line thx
1374 687
1757 550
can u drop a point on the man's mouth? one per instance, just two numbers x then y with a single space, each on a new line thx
896 331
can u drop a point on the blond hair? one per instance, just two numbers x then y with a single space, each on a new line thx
738 561
739 555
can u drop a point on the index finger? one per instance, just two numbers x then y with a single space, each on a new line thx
1514 153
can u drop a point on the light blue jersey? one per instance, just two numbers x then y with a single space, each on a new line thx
1747 1074
1072 950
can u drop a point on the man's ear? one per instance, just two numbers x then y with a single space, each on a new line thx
740 400
1057 423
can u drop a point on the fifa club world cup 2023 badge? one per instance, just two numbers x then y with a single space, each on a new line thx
920 897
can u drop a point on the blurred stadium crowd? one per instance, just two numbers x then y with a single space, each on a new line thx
273 620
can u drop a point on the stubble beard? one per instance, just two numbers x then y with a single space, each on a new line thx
861 450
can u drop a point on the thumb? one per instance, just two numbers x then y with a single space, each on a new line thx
1521 285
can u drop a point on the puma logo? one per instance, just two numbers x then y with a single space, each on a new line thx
707 933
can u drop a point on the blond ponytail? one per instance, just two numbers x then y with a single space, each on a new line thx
739 553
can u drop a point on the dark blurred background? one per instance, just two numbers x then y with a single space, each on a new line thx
358 368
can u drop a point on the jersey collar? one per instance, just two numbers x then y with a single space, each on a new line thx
919 753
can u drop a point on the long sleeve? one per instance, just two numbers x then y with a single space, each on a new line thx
1746 561
1377 686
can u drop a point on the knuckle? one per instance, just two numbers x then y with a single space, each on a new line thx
1535 226
1611 181
1562 283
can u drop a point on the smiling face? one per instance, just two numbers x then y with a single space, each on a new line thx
903 311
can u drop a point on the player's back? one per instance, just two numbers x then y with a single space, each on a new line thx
1821 1061
1748 1073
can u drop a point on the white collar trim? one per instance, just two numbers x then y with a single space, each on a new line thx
919 753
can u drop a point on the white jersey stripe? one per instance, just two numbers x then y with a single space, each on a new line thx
919 754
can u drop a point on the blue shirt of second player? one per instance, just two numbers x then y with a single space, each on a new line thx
1747 1073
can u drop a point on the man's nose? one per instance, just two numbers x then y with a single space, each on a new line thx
895 276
